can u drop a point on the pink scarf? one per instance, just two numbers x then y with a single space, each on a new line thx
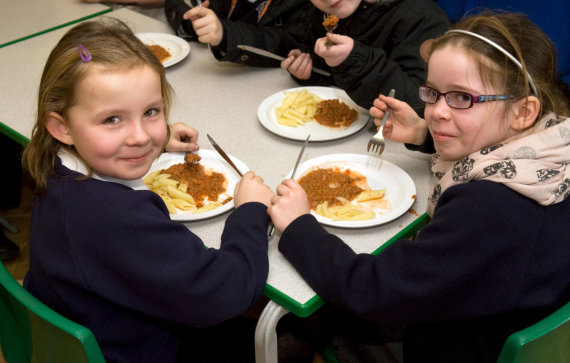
534 164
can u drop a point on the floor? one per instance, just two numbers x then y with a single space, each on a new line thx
20 218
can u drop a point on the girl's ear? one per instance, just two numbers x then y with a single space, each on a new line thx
57 127
526 111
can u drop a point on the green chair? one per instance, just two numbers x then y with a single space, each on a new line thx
32 332
545 341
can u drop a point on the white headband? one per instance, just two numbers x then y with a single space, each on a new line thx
502 50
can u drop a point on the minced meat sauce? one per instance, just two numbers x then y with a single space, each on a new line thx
160 53
326 184
202 184
334 113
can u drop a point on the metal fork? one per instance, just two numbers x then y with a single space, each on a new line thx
329 28
376 142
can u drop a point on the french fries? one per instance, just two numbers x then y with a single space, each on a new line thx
348 211
172 192
297 108
370 195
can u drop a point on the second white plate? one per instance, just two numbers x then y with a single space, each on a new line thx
318 132
176 46
379 173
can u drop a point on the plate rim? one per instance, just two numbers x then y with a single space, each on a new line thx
184 217
405 178
175 38
267 124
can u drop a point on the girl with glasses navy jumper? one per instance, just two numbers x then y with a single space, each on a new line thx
495 256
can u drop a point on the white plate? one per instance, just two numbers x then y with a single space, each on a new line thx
176 46
211 160
380 174
318 132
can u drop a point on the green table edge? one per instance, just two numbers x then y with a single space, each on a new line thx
308 308
14 135
56 27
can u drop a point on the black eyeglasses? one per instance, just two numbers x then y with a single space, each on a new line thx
457 99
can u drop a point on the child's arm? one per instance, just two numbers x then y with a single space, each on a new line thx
207 26
336 53
299 64
251 189
403 125
290 203
182 138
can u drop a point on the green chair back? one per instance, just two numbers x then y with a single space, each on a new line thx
545 341
32 332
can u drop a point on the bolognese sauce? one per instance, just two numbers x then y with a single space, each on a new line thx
202 184
334 113
327 184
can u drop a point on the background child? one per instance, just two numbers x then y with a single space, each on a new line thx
375 47
226 24
495 256
376 44
105 255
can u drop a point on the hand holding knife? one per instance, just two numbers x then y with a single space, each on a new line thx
275 56
271 226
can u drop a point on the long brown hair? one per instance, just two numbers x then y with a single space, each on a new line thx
521 38
111 43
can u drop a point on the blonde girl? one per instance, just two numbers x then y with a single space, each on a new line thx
104 254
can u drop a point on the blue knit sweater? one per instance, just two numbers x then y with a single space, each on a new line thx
110 258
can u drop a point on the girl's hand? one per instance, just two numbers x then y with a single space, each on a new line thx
299 64
251 189
403 124
289 204
206 24
336 53
182 138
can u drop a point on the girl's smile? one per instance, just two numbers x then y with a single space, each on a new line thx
460 132
117 124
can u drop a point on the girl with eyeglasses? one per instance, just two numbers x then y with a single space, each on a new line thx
495 256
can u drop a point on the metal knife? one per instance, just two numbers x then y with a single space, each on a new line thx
271 226
275 56
224 155
300 156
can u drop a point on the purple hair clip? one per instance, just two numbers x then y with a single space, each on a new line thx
84 54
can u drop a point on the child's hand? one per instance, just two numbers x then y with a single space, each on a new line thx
290 203
403 124
182 138
251 189
207 26
299 64
336 53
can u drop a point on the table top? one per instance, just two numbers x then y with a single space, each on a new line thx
20 20
221 99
